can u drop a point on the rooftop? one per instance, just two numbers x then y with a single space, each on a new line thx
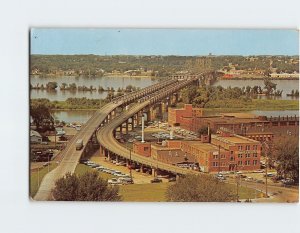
34 133
233 139
175 156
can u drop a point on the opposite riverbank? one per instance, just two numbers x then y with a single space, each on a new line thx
227 105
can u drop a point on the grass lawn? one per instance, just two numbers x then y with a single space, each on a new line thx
144 192
246 193
36 178
157 192
81 169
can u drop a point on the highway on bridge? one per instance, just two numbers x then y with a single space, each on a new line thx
107 140
71 157
105 136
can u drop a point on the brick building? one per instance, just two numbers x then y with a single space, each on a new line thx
142 148
226 152
175 115
241 153
261 128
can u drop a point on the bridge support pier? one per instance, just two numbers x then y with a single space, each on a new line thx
108 155
127 127
154 172
137 119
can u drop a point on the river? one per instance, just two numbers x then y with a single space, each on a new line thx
286 85
81 116
105 82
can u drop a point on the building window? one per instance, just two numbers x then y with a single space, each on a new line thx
240 155
231 152
216 156
223 164
255 155
240 147
240 162
255 147
231 158
247 155
215 164
248 147
247 163
254 162
223 156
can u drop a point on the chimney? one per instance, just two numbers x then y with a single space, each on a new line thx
143 127
208 133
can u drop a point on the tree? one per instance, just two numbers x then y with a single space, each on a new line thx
188 94
41 115
87 187
51 85
269 86
287 157
66 188
200 188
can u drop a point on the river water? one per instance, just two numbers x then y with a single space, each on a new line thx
286 85
81 116
105 82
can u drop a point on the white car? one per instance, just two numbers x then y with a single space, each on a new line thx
113 181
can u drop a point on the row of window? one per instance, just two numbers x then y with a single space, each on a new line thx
240 156
240 163
247 147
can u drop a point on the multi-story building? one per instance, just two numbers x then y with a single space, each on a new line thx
175 115
225 152
242 153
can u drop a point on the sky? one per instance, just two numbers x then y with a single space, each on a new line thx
183 42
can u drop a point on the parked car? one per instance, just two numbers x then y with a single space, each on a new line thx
113 181
287 181
125 180
83 161
156 180
172 179
120 164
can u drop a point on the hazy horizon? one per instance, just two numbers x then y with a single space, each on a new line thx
164 42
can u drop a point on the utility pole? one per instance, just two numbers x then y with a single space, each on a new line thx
48 163
219 155
38 177
130 164
237 183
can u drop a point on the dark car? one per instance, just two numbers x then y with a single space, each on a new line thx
83 161
156 180
172 179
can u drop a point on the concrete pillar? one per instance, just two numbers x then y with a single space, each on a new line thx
132 123
142 168
137 119
108 155
154 171
126 127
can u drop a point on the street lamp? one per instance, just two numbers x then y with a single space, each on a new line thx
267 163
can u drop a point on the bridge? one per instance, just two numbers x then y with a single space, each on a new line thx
102 126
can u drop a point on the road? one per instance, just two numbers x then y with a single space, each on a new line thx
107 140
70 156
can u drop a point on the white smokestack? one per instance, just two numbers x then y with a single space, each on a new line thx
171 133
143 126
